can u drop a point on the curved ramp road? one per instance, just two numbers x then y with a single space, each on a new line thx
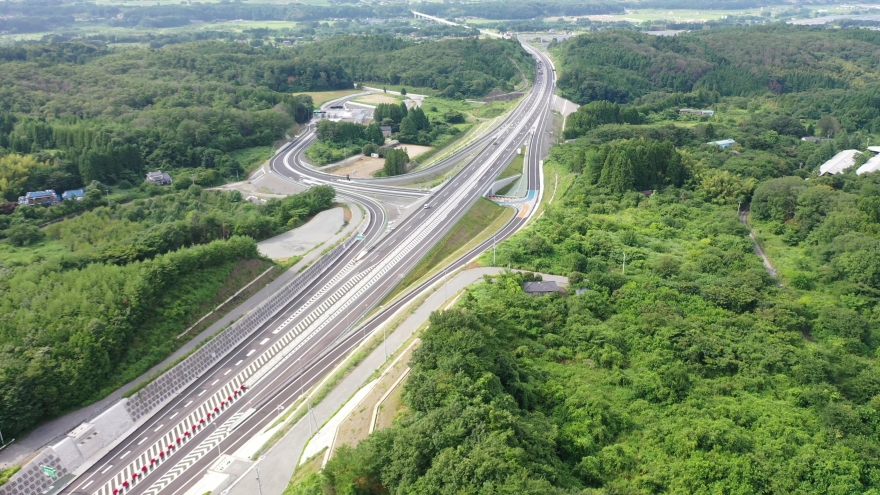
240 396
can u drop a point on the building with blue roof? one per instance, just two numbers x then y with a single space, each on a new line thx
75 194
47 197
724 143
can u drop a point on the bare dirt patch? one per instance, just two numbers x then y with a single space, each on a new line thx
414 150
365 167
375 99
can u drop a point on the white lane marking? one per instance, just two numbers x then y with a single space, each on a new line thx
125 454
158 428
200 393
87 484
239 362
263 342
250 352
143 440
108 469
188 403
172 416
214 382
227 372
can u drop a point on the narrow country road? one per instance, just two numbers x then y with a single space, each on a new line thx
744 218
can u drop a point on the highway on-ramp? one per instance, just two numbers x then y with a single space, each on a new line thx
242 393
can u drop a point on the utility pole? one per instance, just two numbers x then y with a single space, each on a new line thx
493 249
624 262
259 484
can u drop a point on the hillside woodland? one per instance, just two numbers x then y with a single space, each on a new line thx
90 113
693 372
454 68
92 302
806 72
690 369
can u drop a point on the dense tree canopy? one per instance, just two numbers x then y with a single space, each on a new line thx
454 68
684 365
629 67
108 116
106 294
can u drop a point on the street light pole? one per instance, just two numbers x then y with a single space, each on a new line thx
493 249
259 484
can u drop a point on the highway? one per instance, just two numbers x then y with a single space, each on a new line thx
312 333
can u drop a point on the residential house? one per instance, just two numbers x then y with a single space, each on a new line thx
159 177
75 194
540 288
723 144
47 197
386 130
701 113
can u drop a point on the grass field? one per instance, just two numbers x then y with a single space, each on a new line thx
473 228
251 158
515 167
321 97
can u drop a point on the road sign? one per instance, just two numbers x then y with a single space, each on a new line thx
48 471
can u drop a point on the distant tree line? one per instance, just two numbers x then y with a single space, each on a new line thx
455 68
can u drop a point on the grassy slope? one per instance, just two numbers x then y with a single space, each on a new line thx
191 299
251 158
321 97
482 215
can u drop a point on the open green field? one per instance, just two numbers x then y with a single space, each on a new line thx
321 97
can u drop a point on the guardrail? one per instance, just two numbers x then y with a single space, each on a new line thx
191 368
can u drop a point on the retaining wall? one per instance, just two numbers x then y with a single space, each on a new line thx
501 184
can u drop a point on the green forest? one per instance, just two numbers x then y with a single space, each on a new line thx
75 113
684 365
809 72
455 68
693 371
93 302
87 113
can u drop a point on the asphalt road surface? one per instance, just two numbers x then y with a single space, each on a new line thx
312 333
